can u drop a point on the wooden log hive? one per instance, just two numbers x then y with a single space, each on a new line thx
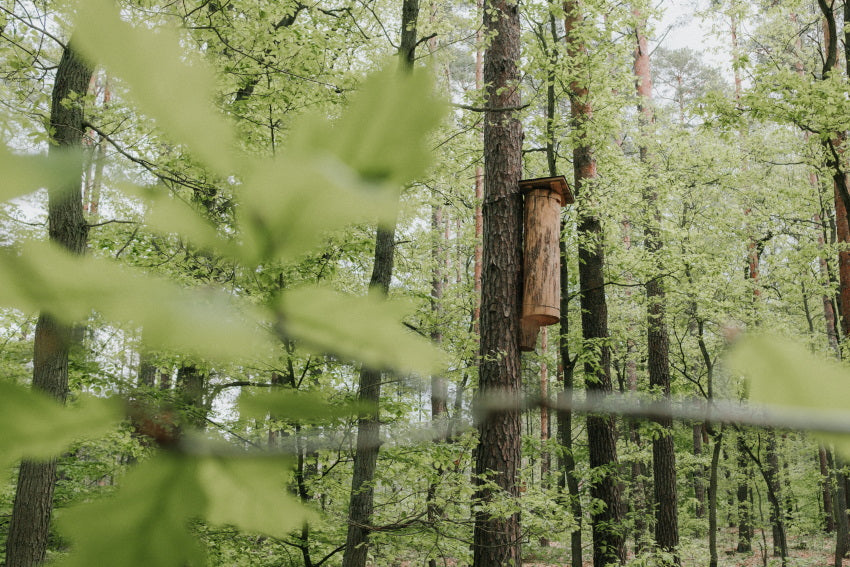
528 330
541 302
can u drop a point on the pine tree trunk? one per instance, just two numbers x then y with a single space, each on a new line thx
29 525
545 457
780 546
496 540
606 521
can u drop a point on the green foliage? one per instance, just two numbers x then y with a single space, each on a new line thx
205 323
785 374
250 493
24 174
36 427
160 499
123 526
177 93
358 328
294 405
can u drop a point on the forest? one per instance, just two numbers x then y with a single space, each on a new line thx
305 283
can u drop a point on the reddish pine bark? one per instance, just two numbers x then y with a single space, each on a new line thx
606 522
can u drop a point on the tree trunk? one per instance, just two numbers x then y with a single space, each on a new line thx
712 498
29 525
842 529
191 383
567 479
496 540
362 497
745 522
545 457
439 385
606 520
368 425
663 451
780 545
699 471
829 518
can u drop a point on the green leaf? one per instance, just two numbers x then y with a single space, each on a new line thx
177 93
786 374
284 403
146 523
202 321
366 328
24 174
289 206
251 493
384 133
168 214
34 426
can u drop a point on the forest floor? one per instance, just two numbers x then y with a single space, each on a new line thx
803 550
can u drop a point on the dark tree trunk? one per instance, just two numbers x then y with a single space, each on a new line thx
496 540
842 529
829 518
361 503
712 498
780 546
30 522
439 385
368 426
663 451
745 522
606 521
699 471
147 371
567 479
191 383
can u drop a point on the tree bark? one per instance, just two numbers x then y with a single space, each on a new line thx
712 498
842 529
439 384
567 479
496 540
745 522
663 451
829 518
606 520
30 522
191 383
780 546
699 471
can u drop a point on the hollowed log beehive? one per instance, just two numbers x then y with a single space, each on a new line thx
541 304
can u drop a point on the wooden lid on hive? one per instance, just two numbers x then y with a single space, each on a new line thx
556 184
